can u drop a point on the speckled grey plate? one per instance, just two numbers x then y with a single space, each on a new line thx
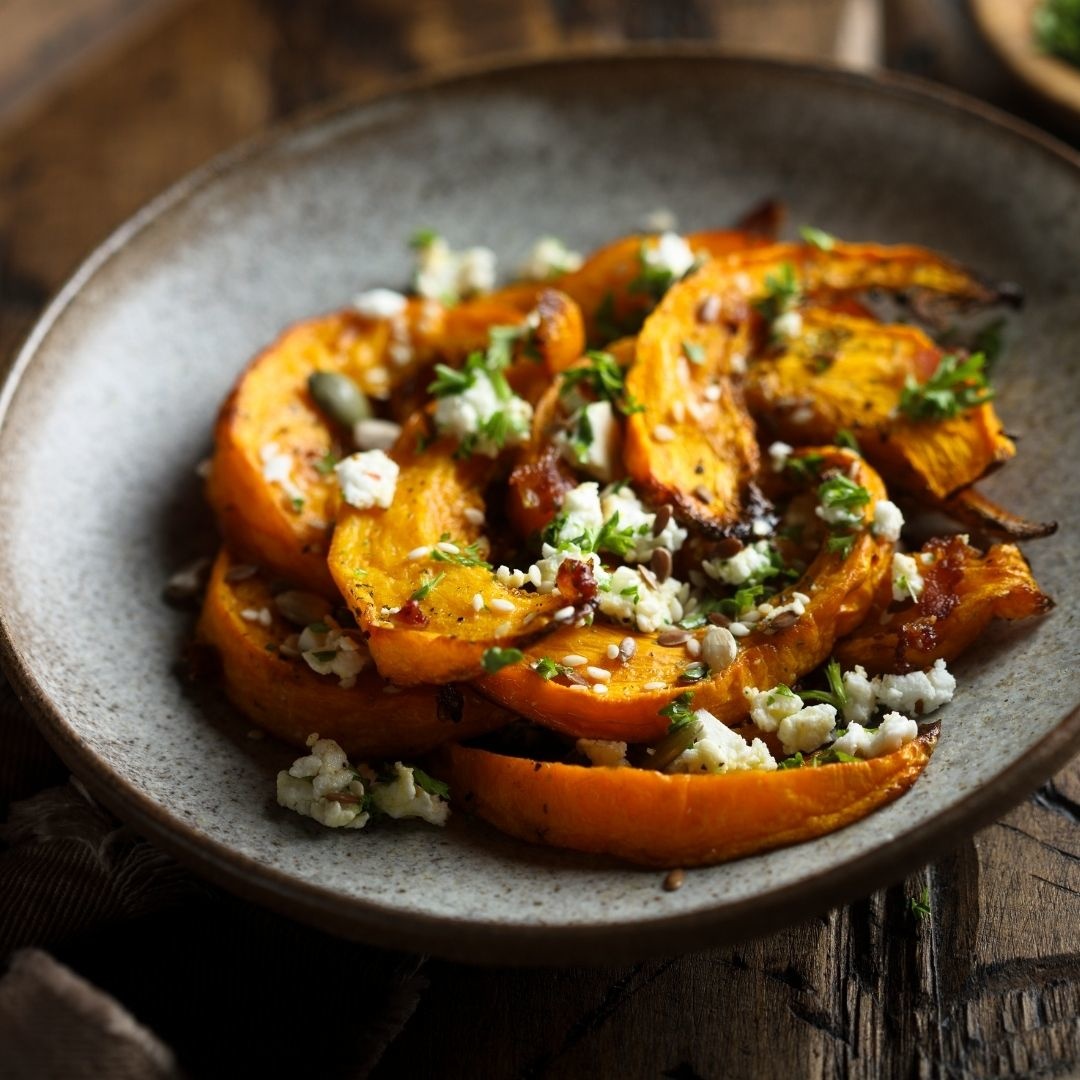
111 401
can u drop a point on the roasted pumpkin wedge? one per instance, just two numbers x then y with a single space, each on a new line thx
838 590
693 443
415 574
273 685
653 819
844 373
962 591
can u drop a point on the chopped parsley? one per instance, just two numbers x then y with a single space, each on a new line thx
679 712
841 493
846 437
804 467
818 238
429 784
836 695
605 378
1057 28
796 761
496 658
610 537
297 504
840 544
325 465
782 293
423 238
467 554
547 668
919 906
957 385
424 591
653 279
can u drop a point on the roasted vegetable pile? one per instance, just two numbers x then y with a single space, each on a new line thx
621 551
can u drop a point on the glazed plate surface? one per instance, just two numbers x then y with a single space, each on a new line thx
110 405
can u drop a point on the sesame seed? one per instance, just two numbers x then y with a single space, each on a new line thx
529 618
678 411
613 651
693 647
599 688
739 629
474 516
564 613
447 548
418 553
662 433
503 629
655 686
598 674
573 660
499 604
478 603
577 686
711 393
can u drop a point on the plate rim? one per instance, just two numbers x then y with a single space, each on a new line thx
459 937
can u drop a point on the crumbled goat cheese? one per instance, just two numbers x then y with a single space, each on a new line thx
277 467
549 258
742 566
597 456
839 515
603 751
374 434
919 693
861 699
332 652
806 729
788 325
581 513
779 452
907 582
888 521
447 275
671 253
719 648
402 797
368 479
380 303
634 516
769 708
304 787
718 749
463 415
628 597
894 731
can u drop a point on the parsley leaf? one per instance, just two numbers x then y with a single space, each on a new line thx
605 378
794 762
840 544
547 668
424 591
679 712
429 784
325 465
956 386
840 492
782 293
836 695
818 238
467 554
496 658
423 238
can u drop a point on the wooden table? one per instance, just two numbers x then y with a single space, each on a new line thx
989 983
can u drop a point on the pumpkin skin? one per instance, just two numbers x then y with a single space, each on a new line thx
288 699
653 819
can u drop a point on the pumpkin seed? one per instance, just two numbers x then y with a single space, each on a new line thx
671 638
339 397
301 608
672 745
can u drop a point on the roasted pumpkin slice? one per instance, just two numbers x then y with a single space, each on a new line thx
961 591
693 445
849 373
654 669
415 574
271 481
269 680
658 820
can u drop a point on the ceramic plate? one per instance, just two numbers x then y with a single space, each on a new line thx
110 404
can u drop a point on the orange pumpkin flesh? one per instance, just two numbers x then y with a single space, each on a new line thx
287 698
658 820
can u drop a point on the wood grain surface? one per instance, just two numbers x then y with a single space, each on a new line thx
987 985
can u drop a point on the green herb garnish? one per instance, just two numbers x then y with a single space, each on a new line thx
430 784
605 378
836 695
920 906
679 712
424 591
496 658
956 386
818 238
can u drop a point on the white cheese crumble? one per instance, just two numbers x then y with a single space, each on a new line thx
465 414
598 454
549 258
332 652
368 479
629 597
634 516
894 732
671 253
769 708
861 699
779 452
907 582
310 784
380 303
603 752
919 692
888 521
277 467
787 326
447 275
742 566
807 729
720 750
